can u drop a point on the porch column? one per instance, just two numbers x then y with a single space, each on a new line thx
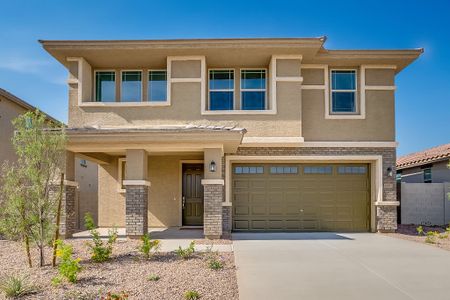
213 190
67 224
137 185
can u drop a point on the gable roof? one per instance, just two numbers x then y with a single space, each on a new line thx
424 157
7 95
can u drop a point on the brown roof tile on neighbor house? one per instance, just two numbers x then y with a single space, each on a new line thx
424 157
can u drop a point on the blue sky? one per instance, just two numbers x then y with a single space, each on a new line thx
423 89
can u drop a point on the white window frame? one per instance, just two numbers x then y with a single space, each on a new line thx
355 91
119 176
222 90
157 103
266 104
120 85
94 96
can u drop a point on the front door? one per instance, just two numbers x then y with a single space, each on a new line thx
192 198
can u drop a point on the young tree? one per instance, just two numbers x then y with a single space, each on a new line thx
40 147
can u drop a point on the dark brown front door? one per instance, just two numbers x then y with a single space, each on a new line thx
192 199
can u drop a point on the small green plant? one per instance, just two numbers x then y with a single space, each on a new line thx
420 230
212 258
431 237
149 247
153 277
68 266
215 264
115 296
191 295
16 286
187 252
100 251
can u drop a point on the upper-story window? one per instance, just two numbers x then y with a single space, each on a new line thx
131 87
343 91
427 175
105 86
157 86
253 89
221 89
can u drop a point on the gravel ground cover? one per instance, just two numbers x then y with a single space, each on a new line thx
126 271
409 232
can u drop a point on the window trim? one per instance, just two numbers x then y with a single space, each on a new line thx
234 89
157 103
94 96
120 85
357 111
119 175
266 104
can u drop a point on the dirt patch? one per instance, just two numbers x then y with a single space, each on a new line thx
409 232
126 271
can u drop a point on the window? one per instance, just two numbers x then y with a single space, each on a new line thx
343 91
253 89
121 175
352 170
248 170
318 170
105 86
131 89
283 170
398 177
83 163
157 86
427 175
221 89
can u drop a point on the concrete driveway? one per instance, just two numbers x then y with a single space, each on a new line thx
338 266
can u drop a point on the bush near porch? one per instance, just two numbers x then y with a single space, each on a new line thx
127 273
409 232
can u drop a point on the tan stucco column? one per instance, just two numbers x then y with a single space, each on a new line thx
67 224
213 187
137 187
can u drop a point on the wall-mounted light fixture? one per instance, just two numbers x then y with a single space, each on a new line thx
389 171
212 166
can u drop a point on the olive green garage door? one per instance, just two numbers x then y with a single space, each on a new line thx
301 197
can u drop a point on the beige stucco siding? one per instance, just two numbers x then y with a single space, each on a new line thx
380 77
288 67
8 112
377 126
313 76
164 173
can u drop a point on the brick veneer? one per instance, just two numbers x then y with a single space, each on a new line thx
212 219
226 221
136 211
68 221
386 216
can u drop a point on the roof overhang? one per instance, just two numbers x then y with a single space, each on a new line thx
175 139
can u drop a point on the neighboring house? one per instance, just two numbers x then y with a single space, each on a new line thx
427 166
235 134
10 108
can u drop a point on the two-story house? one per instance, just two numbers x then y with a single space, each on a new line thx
235 134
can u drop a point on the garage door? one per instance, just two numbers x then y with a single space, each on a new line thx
301 197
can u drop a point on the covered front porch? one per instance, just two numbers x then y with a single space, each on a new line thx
158 177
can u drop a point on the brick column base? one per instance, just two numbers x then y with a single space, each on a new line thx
68 221
226 221
386 218
136 219
212 222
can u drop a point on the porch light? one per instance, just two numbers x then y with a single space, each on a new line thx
212 166
389 171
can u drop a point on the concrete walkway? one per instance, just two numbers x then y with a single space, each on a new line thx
339 266
171 238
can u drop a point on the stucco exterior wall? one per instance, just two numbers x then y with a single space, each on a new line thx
439 173
164 206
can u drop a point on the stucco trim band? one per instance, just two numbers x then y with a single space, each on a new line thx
387 203
71 183
136 182
213 181
252 141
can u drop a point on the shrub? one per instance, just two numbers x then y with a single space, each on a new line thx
100 251
187 252
68 266
212 258
153 277
215 264
431 237
420 230
149 247
115 296
191 295
16 286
